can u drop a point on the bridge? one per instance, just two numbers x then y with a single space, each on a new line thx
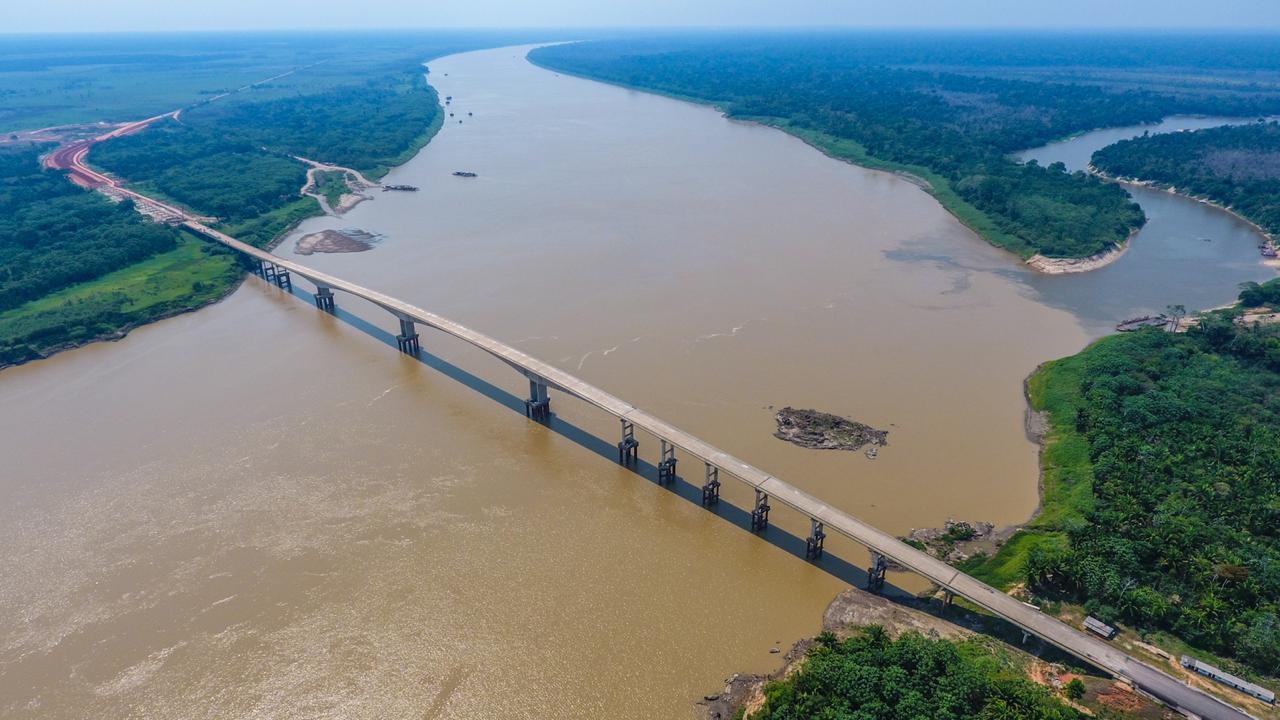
768 489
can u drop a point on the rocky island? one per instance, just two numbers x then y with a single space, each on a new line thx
335 241
824 431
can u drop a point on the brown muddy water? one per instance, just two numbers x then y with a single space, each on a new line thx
261 511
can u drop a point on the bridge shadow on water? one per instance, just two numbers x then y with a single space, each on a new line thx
740 517
737 516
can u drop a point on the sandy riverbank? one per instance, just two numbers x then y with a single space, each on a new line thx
1063 266
1273 262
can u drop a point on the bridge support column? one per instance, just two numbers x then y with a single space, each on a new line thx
760 515
817 537
875 573
667 465
629 448
257 268
948 597
324 298
269 272
408 338
282 279
538 406
711 487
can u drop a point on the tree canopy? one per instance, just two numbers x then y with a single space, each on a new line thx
870 676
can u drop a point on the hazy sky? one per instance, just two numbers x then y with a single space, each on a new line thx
127 15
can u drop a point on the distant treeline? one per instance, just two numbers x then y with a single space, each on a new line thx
924 105
1235 166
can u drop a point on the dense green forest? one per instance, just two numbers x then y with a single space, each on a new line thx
1162 485
217 173
1254 294
235 163
929 106
870 676
54 234
1235 166
74 266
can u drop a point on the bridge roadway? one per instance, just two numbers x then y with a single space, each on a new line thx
1145 677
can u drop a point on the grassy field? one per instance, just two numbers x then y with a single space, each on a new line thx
192 274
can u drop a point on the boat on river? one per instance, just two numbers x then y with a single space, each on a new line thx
399 188
464 173
1138 323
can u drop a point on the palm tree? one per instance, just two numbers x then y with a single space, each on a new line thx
1177 312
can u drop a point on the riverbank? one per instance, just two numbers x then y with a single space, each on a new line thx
938 186
107 308
1064 266
1061 415
1273 262
853 611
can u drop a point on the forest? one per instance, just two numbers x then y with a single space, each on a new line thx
924 106
870 676
1162 484
1235 166
54 234
75 267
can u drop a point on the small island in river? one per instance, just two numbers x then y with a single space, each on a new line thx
824 431
335 241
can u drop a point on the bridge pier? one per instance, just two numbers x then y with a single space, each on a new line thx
324 298
667 465
257 268
711 487
629 448
282 280
408 338
538 406
875 573
947 598
268 271
813 544
760 515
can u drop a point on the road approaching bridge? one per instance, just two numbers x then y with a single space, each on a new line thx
822 517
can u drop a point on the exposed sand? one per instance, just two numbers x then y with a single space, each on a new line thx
330 241
1062 266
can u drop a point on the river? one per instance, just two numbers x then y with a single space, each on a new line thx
1188 253
262 511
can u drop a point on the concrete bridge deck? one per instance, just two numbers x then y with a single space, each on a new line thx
1147 678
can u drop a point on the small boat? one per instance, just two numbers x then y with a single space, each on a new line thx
463 173
401 188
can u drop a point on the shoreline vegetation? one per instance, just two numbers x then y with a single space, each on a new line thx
1229 355
1271 262
950 129
189 162
1235 168
850 151
1042 683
